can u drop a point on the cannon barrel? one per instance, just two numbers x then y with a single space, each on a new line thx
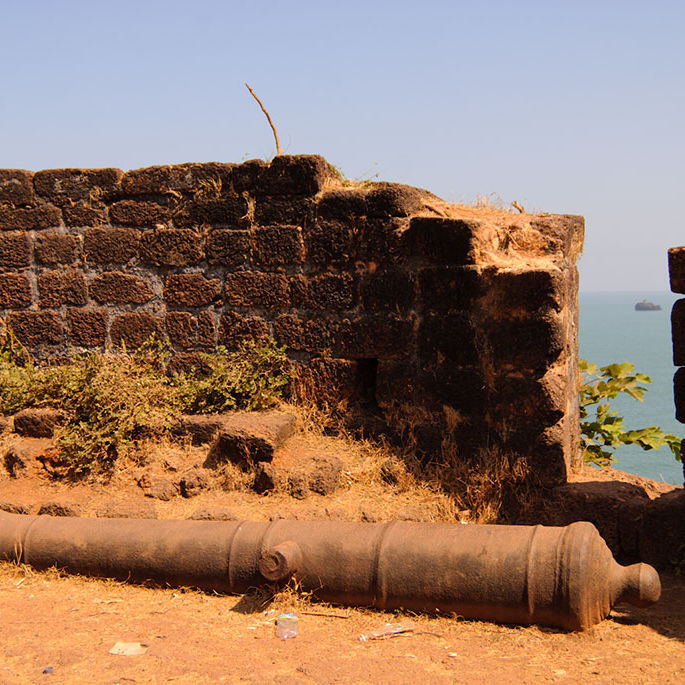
556 576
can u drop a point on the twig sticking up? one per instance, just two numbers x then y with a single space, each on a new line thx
279 149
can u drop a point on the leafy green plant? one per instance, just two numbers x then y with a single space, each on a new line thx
601 428
251 378
113 401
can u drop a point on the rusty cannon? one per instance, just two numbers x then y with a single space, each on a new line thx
556 576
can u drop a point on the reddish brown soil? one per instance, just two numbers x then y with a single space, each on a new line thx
71 623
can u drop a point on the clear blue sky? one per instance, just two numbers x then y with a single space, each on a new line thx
570 106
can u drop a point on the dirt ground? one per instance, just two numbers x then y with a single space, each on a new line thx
70 624
67 625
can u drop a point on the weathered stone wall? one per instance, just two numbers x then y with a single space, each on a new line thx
676 270
451 317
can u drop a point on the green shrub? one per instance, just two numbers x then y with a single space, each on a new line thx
602 429
113 401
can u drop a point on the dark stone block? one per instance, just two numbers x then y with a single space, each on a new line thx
250 437
678 332
288 330
278 246
64 186
87 327
158 487
14 508
206 329
443 241
132 213
234 328
298 285
52 248
676 269
228 248
388 290
257 289
396 381
44 216
111 245
331 381
298 485
202 429
296 175
182 329
331 292
396 199
37 328
133 329
330 243
679 394
188 362
319 334
193 482
15 291
266 478
38 422
343 203
373 336
382 241
447 288
527 404
325 476
15 250
530 343
59 509
460 388
16 187
522 292
662 533
222 211
191 290
278 210
246 176
117 287
447 337
84 214
154 180
56 288
171 247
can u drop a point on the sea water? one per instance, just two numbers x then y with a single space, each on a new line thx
610 330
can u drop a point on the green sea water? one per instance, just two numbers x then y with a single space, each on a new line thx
610 330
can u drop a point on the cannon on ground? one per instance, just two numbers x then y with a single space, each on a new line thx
557 576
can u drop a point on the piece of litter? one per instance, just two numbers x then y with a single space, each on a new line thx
19 583
388 630
48 669
128 649
453 655
107 601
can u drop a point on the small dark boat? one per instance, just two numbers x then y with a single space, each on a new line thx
646 306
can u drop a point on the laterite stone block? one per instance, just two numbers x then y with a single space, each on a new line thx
15 250
337 292
278 246
388 290
448 288
676 269
51 248
64 186
234 328
133 329
16 186
443 241
257 289
678 332
26 219
447 337
294 211
191 290
56 288
111 245
228 248
171 247
224 211
117 287
35 329
15 291
132 213
83 214
87 327
296 175
331 243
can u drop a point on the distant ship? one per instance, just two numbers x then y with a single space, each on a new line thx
646 306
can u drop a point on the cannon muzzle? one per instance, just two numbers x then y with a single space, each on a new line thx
557 576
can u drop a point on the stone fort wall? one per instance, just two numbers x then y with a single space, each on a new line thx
381 292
